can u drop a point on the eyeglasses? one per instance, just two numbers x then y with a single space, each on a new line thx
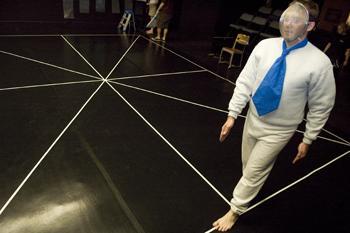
292 20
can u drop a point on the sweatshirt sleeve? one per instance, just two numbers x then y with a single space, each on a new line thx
321 97
244 85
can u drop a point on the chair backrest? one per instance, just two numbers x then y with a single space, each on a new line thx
272 30
246 17
277 12
259 21
274 25
265 10
242 39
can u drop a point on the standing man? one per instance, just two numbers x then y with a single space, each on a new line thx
280 77
337 48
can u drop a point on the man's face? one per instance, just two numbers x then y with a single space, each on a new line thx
293 23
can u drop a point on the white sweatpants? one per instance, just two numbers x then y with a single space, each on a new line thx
260 147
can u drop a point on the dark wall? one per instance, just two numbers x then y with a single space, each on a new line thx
201 18
193 18
31 10
196 18
333 13
211 17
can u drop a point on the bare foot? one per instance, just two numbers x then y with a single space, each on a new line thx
226 222
156 38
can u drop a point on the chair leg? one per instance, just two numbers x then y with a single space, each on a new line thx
220 58
230 63
240 62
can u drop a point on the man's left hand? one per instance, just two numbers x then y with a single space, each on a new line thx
303 148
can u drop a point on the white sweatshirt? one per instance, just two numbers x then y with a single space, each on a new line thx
309 79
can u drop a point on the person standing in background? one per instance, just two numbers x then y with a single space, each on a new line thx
338 47
166 11
152 10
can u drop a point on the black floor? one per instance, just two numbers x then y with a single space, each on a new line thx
119 134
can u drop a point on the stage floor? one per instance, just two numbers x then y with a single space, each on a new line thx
116 133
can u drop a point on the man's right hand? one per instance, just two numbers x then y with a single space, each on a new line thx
226 128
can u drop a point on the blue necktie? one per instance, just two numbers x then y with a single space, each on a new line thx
268 95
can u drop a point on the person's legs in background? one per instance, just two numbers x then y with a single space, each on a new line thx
163 24
165 33
151 13
159 32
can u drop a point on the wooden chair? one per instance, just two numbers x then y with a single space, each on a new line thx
241 42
